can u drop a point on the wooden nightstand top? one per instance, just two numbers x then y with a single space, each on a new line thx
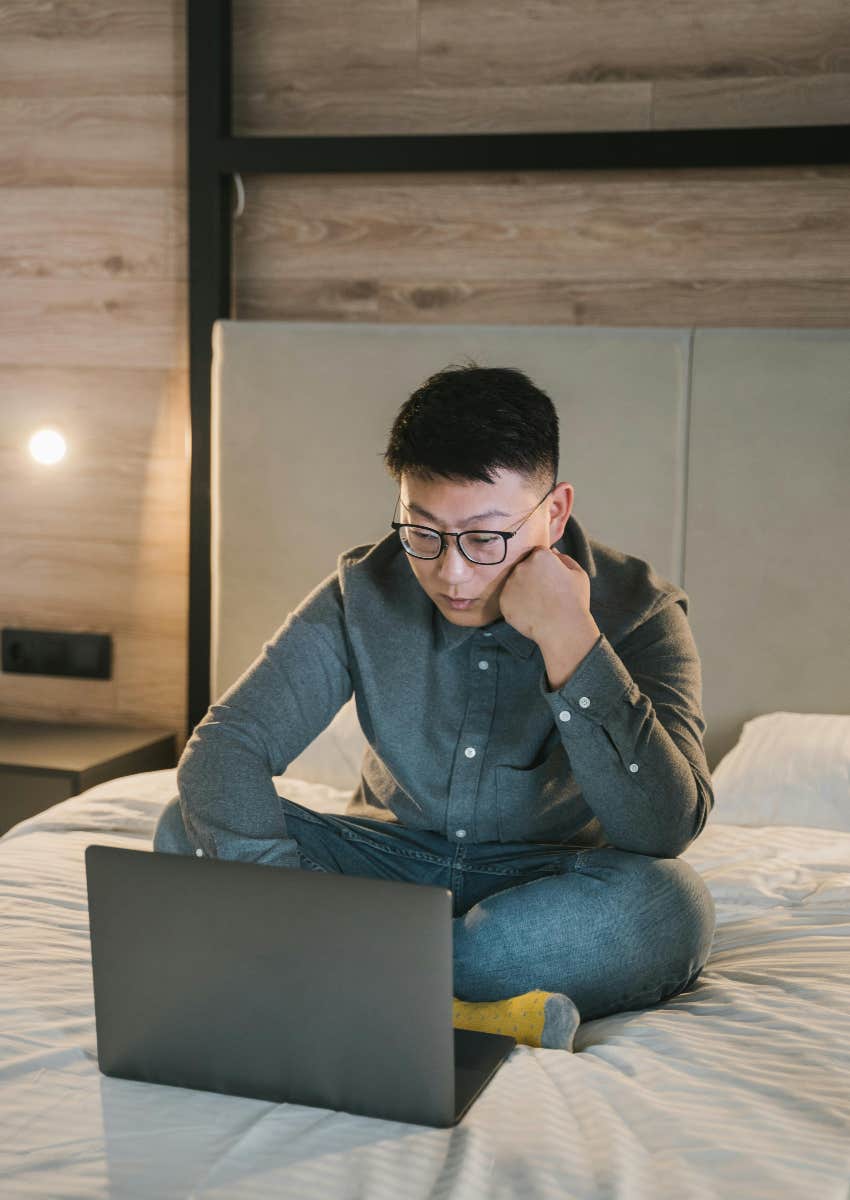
44 745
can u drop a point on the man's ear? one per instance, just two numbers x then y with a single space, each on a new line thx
565 493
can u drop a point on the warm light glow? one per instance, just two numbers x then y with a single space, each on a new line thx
47 446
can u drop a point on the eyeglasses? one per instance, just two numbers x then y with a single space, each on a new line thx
484 547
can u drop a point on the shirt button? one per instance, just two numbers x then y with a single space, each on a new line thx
199 853
460 832
564 715
488 635
484 664
584 702
469 752
633 767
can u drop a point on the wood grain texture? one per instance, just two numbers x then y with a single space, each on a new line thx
93 140
816 304
329 67
86 322
608 247
551 41
98 543
751 103
567 108
66 48
737 103
101 233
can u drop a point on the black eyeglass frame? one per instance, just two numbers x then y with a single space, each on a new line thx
442 535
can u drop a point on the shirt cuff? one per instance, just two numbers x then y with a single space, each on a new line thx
596 687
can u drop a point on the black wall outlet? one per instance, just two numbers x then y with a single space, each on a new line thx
41 652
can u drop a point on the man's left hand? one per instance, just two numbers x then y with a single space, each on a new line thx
546 596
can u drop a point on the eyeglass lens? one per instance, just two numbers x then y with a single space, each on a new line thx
480 547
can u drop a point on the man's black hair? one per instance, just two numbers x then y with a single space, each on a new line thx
466 422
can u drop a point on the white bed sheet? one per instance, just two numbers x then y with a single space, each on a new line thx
740 1088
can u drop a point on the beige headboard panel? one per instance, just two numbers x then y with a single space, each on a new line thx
720 455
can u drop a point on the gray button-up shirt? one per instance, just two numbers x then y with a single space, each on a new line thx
464 735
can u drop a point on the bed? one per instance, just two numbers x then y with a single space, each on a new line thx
739 1087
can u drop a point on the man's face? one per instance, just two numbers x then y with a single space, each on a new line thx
458 506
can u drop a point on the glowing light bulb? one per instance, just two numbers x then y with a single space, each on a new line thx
47 446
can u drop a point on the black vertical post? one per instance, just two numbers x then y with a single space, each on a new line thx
208 36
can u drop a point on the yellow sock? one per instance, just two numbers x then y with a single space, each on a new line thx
522 1017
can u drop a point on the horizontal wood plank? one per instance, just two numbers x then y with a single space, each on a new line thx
64 48
614 225
815 303
321 112
93 140
751 103
93 233
88 322
500 42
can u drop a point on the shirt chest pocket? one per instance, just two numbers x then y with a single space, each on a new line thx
534 804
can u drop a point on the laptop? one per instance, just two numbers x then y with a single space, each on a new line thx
296 986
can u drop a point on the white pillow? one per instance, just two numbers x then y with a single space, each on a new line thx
787 769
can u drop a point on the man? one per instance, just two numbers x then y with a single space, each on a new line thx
531 700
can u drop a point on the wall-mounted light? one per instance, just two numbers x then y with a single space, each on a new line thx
47 446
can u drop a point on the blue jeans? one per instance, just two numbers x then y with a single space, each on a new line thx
612 930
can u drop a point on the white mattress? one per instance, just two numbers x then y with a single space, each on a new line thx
740 1088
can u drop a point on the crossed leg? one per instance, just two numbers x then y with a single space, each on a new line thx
615 931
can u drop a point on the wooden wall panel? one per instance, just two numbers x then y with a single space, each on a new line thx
93 322
92 232
751 103
66 48
555 41
93 341
687 247
93 141
755 247
551 108
459 66
98 543
85 322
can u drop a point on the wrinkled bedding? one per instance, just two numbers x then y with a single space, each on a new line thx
738 1088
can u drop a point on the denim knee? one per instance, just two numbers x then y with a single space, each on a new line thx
170 835
698 900
688 898
675 898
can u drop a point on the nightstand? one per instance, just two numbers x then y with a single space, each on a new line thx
42 763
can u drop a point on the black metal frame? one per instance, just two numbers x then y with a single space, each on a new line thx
214 155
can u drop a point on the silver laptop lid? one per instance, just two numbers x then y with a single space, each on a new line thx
288 985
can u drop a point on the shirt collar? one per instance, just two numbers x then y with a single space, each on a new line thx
448 636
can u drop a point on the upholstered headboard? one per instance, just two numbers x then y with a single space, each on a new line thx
720 455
